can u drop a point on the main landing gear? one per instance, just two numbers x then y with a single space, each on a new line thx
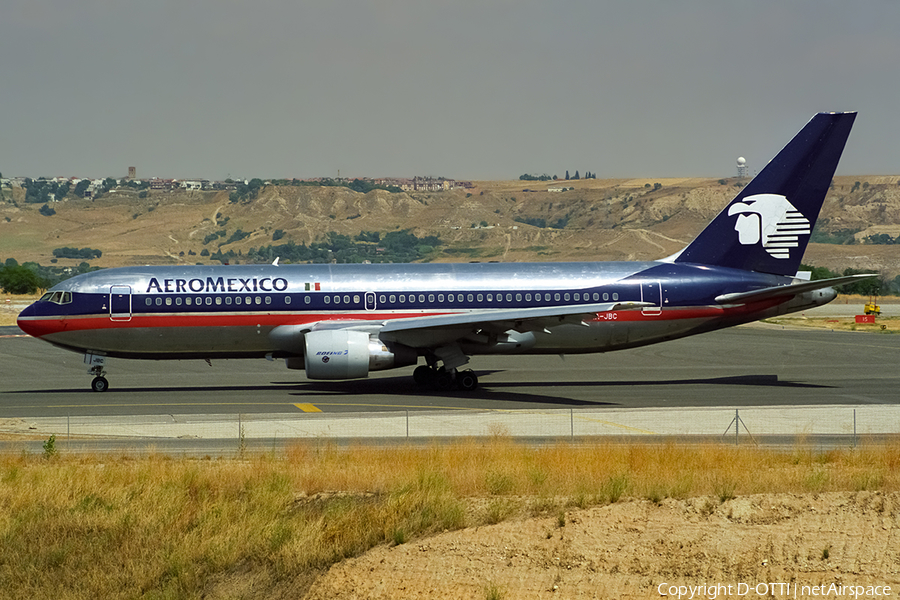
97 364
442 379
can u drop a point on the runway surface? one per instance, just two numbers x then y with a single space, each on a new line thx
743 367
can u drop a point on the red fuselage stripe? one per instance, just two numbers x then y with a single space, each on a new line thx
42 326
39 327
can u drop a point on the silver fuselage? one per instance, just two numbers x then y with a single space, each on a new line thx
231 311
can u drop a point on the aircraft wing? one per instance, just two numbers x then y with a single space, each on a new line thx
436 330
787 290
439 330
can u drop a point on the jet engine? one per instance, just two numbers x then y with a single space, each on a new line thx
348 354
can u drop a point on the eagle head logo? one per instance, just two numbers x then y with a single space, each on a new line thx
771 220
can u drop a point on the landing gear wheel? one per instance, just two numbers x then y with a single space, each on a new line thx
467 380
443 380
99 384
423 376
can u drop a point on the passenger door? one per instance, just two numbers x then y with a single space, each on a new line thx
652 292
120 303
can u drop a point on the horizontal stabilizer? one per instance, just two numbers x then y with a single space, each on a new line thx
788 290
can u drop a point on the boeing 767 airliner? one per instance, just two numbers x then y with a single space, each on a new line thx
343 321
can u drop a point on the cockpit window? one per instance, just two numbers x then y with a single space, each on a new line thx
57 297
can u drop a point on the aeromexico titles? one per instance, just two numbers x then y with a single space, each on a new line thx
343 321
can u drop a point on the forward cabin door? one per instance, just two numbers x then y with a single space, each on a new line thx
120 303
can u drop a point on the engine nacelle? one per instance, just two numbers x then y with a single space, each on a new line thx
348 354
336 354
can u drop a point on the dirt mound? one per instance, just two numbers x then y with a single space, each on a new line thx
640 549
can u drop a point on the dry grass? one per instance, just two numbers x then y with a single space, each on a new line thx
155 527
884 325
10 310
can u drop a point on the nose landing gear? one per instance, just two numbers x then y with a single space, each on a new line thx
100 384
97 364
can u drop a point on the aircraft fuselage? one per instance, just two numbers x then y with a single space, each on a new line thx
232 311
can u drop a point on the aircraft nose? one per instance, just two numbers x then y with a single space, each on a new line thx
24 320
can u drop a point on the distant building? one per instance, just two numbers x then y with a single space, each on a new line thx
196 184
163 184
426 184
95 186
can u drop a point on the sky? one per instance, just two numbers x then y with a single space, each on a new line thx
468 89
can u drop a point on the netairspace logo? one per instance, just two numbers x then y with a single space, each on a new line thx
772 590
770 219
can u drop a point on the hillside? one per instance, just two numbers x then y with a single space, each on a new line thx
602 219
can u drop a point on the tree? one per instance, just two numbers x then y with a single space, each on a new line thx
20 280
81 187
38 191
567 174
372 237
244 192
67 252
63 190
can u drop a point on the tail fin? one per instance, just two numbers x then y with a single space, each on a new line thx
767 226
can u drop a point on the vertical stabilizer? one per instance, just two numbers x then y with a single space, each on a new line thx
767 226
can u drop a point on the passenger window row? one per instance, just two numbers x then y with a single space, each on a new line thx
210 300
497 297
355 299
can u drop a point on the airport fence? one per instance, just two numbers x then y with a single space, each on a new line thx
842 425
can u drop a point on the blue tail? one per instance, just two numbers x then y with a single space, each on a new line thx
767 226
